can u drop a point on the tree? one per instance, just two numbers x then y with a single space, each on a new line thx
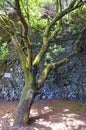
30 64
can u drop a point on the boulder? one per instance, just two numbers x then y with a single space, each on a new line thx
12 23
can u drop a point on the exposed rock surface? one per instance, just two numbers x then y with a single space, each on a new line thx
67 82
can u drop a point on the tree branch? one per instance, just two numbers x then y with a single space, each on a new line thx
57 17
21 53
44 75
18 10
55 65
21 17
53 35
26 38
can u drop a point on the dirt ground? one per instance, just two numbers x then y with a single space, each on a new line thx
47 115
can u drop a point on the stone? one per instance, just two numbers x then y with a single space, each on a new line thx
7 75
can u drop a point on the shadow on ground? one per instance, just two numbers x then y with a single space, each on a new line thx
47 115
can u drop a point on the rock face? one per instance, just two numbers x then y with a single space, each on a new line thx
12 82
47 11
68 82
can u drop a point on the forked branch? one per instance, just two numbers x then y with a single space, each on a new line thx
73 5
63 61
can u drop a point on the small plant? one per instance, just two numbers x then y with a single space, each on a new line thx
51 80
53 52
0 39
74 30
4 51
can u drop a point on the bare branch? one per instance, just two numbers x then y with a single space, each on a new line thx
18 10
55 65
53 35
56 18
26 38
44 75
73 53
21 53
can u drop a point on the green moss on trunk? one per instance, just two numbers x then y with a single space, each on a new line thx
27 98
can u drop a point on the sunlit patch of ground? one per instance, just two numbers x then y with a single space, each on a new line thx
47 115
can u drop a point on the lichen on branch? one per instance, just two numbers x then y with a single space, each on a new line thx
57 17
52 66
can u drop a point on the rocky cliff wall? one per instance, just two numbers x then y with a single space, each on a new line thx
67 82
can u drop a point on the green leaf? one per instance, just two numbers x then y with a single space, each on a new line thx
1 39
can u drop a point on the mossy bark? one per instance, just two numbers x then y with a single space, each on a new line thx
27 98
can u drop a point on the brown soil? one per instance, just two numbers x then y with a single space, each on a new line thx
47 115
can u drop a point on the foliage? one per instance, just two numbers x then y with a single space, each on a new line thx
54 50
1 39
32 15
4 51
73 29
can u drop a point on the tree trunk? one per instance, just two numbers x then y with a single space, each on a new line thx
27 98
